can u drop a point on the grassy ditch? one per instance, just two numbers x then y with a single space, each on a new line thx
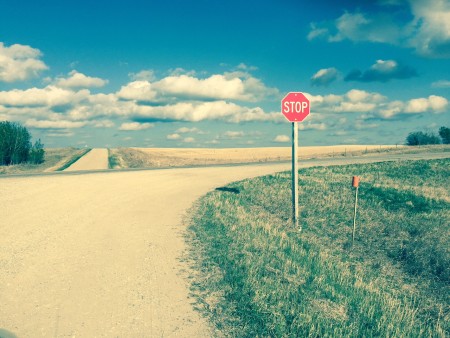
113 159
257 276
119 158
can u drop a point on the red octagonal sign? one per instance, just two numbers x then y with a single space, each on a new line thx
295 107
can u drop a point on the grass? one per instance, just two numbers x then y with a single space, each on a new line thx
256 276
113 159
185 157
128 158
56 159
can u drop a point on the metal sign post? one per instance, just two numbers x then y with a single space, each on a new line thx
295 174
295 107
355 184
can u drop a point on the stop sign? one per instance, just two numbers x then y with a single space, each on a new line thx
295 107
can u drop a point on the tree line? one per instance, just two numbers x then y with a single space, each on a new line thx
419 138
16 146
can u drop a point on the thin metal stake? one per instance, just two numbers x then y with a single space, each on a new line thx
295 175
354 215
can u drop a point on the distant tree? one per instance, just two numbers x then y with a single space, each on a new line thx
419 138
15 145
444 133
37 153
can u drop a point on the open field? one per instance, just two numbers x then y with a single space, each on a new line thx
124 158
257 276
55 159
181 157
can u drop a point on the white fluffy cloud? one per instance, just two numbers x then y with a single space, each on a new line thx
428 32
49 96
79 80
174 98
312 126
60 133
58 124
432 103
229 86
20 63
382 71
173 136
357 27
103 124
355 107
431 27
143 75
324 77
214 87
374 104
356 95
184 130
137 90
233 134
282 139
133 126
194 111
66 104
84 106
354 101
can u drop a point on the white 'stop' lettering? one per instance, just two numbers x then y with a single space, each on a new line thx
294 107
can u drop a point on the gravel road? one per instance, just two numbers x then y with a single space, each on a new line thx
99 254
95 159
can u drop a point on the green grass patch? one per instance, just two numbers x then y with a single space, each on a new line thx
258 276
113 159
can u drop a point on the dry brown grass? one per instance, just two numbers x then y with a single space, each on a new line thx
180 157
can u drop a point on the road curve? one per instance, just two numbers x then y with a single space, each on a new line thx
98 255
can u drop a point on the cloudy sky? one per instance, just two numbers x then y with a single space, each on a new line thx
210 73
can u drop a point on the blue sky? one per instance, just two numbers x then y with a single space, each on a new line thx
212 73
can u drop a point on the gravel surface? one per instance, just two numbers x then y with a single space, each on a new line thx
96 159
99 254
